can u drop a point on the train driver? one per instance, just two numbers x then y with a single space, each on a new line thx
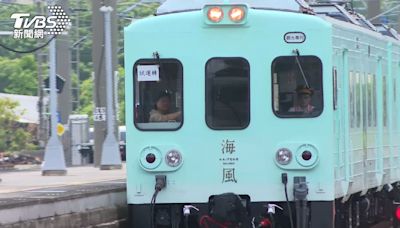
303 104
162 109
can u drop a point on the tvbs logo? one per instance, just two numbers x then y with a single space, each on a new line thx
23 21
27 27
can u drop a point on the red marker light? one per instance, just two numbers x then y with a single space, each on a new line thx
306 155
150 158
398 213
265 223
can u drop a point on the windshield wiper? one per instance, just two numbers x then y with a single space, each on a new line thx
297 54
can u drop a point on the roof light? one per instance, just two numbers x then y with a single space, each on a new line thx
237 14
215 14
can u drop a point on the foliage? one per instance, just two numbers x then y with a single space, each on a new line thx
7 24
19 71
13 137
121 95
18 76
86 98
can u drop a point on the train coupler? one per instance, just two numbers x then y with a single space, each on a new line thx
300 192
228 209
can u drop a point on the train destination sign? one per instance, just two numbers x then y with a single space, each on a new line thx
148 73
294 37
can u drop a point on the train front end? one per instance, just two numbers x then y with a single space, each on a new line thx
229 107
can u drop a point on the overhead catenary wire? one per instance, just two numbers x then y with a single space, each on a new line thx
27 51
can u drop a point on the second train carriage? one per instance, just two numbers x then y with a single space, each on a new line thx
263 98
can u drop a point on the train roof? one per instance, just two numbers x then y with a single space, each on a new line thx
387 31
339 12
333 9
174 6
336 11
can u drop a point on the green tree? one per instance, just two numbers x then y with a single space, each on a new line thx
18 76
121 95
7 24
12 136
86 97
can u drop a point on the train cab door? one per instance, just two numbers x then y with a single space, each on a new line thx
345 146
337 120
341 121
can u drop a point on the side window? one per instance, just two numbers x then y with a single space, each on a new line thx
352 100
297 86
335 88
374 111
358 100
384 102
158 94
370 99
364 100
227 93
395 109
394 88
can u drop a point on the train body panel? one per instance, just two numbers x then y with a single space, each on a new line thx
362 59
255 171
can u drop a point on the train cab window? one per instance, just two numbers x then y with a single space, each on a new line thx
227 93
158 94
297 86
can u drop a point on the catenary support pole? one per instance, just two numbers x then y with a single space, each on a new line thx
111 158
54 161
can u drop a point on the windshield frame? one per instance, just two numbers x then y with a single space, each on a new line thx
157 126
294 116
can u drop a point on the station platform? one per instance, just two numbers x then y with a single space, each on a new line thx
85 197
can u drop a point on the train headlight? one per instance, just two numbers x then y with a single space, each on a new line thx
215 14
237 14
173 158
284 156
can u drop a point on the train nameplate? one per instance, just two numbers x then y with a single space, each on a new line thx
294 37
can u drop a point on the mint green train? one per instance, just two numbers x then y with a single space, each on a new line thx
256 113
